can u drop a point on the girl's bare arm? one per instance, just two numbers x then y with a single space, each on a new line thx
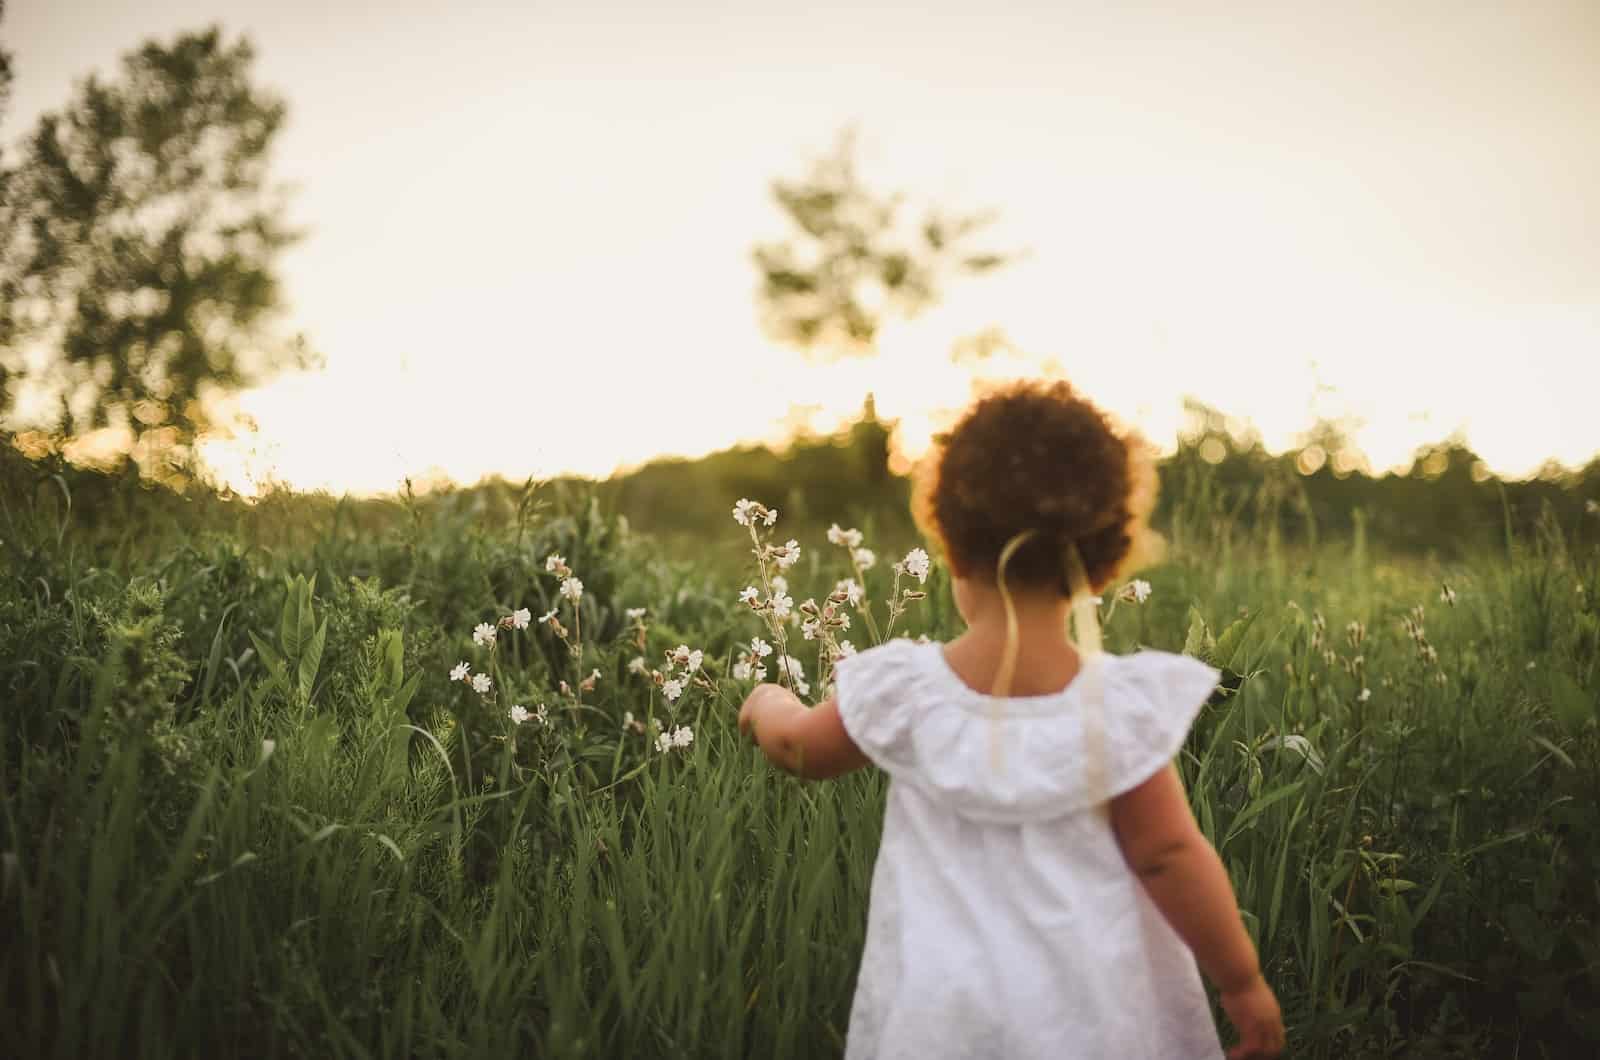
810 742
1184 877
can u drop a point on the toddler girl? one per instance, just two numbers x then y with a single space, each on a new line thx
1042 889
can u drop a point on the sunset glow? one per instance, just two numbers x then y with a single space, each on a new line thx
530 229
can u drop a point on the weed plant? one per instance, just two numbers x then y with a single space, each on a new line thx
247 809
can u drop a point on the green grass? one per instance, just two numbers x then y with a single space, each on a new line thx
245 811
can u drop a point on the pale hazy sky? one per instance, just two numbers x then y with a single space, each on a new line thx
530 222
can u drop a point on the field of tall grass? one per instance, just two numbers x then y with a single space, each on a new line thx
253 805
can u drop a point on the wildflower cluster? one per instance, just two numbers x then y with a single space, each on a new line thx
824 622
487 635
571 590
678 739
539 715
749 666
1426 653
1322 646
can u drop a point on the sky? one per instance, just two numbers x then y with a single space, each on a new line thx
529 224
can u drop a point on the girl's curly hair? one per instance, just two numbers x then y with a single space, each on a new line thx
1037 456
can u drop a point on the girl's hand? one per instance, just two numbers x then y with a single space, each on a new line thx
1254 1012
752 702
810 742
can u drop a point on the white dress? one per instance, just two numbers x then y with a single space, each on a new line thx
1003 920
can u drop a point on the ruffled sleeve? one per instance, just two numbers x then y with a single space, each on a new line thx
1152 699
1121 720
878 697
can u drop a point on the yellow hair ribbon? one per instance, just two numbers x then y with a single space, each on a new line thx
1086 621
1008 657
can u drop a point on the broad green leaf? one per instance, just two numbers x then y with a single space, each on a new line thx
393 649
269 657
311 659
1195 643
289 621
1232 640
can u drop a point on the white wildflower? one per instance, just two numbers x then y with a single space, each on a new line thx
572 589
772 516
635 613
459 672
846 649
483 634
672 690
780 584
520 618
638 665
848 538
787 554
548 616
796 669
865 558
1365 694
519 714
481 684
916 564
751 595
782 606
810 628
680 737
760 647
743 511
696 657
1136 591
852 591
742 670
556 565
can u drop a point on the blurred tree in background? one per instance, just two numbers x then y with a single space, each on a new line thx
854 261
5 80
138 236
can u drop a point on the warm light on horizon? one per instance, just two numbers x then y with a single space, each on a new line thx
535 259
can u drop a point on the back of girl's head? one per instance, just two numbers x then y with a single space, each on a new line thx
1038 457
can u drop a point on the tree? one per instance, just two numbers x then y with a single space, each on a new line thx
854 261
5 69
138 236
